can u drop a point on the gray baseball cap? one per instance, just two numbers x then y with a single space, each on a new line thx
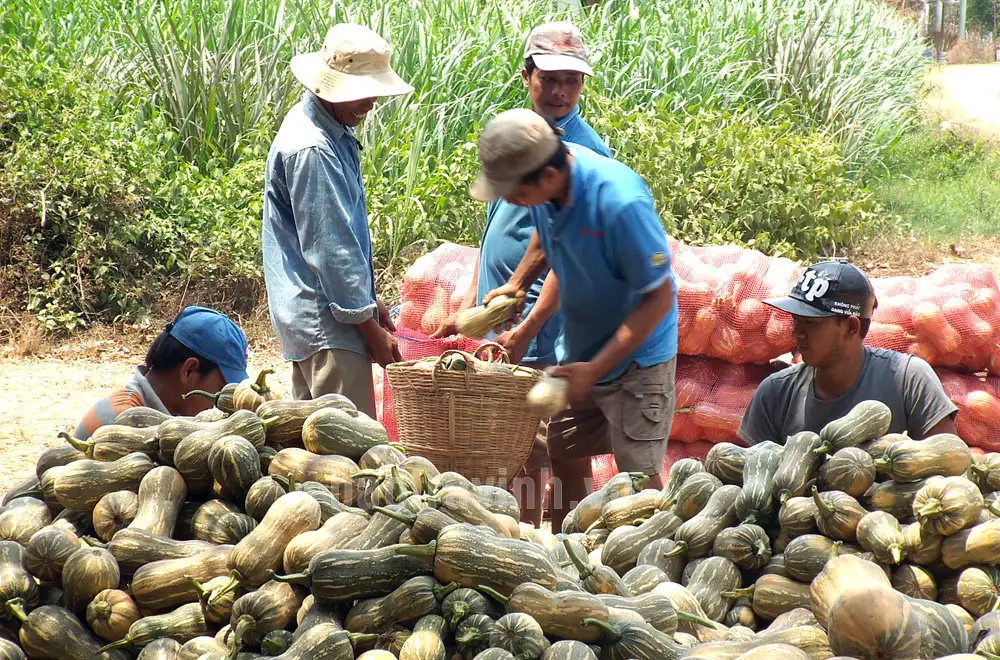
513 144
558 47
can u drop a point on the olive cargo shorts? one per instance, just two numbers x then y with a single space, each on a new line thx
629 417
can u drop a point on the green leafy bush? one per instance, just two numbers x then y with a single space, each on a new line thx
731 178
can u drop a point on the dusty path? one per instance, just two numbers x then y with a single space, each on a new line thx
40 396
969 94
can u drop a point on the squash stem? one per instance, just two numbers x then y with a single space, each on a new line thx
680 548
883 464
746 592
494 594
639 480
597 524
442 592
458 612
260 384
399 446
244 624
932 508
235 579
784 495
92 542
367 474
214 398
396 515
824 508
694 618
268 421
585 569
203 593
469 636
15 606
835 549
124 642
303 579
101 608
426 485
823 449
610 633
361 638
896 552
83 446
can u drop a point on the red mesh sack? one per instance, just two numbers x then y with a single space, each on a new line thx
719 308
978 402
435 285
950 318
712 396
604 467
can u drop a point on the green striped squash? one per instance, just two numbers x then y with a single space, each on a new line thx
235 466
332 431
798 465
755 503
866 421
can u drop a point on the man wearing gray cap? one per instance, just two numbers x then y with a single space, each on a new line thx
831 307
555 65
317 247
595 225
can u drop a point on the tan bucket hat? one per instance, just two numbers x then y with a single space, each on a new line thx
513 144
353 65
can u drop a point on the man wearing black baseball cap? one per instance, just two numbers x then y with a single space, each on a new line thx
831 307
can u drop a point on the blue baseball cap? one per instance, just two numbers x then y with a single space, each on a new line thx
213 336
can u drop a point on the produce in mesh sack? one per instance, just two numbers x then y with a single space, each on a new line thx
978 403
711 397
950 318
832 562
719 294
435 285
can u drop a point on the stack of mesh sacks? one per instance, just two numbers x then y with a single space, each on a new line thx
729 341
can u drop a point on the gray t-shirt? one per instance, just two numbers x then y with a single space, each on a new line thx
785 403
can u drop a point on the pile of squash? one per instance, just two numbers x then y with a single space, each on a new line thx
296 530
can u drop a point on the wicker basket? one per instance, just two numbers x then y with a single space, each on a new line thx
471 422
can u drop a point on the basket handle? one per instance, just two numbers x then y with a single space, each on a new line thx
504 357
438 368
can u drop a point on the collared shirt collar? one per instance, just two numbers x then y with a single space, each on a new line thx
573 114
140 383
327 121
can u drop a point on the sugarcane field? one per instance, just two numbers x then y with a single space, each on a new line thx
485 330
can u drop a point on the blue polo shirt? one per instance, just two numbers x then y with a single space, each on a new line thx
505 240
608 249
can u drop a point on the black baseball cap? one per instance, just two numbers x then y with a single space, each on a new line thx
829 288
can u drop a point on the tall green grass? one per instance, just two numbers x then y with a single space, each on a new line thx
219 68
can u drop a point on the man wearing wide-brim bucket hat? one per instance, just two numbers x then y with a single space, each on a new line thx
316 242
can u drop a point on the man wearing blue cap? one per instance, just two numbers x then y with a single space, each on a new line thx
200 350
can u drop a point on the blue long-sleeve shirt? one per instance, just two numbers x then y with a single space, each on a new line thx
505 240
316 243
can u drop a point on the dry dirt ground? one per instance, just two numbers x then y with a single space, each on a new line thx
48 390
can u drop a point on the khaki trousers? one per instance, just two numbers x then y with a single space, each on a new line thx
335 371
